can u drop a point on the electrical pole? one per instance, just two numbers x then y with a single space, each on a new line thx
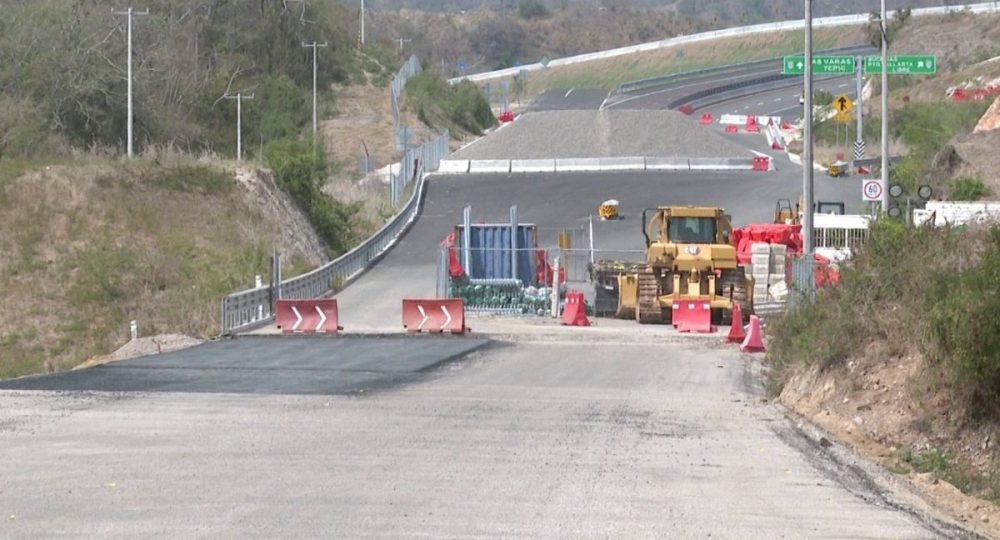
129 14
313 45
362 22
807 148
885 112
860 108
239 122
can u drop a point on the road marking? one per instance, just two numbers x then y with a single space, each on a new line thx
777 99
322 319
843 86
745 108
760 104
424 315
568 93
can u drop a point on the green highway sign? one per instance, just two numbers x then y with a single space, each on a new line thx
901 65
796 65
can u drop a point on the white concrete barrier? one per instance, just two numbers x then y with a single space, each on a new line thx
959 213
721 164
453 166
733 119
667 164
622 164
490 166
578 165
532 165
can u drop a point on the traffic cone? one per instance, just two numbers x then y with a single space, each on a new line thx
754 342
736 333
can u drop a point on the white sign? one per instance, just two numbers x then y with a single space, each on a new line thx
871 190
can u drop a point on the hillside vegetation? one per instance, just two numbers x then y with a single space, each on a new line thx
63 66
89 245
499 33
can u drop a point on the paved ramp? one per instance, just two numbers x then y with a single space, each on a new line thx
266 365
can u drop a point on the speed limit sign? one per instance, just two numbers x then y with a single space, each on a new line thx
872 190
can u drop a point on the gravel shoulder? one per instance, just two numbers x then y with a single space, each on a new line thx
607 133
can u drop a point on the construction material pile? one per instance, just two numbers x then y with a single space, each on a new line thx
768 267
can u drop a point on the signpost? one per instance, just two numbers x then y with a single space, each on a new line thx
796 65
871 189
903 65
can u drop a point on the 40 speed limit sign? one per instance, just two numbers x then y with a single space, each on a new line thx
871 190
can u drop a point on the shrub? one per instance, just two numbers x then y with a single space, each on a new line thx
462 104
299 170
966 327
531 9
967 188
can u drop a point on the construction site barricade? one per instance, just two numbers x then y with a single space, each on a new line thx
434 315
732 129
761 163
307 316
706 119
692 316
575 312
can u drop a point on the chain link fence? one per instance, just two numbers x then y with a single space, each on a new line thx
410 68
248 308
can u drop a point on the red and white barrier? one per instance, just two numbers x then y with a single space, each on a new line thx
434 315
575 313
692 316
307 316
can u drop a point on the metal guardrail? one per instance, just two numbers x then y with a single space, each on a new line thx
252 307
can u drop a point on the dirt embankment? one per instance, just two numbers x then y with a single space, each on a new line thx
885 409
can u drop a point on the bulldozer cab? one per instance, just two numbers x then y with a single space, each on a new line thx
686 225
783 212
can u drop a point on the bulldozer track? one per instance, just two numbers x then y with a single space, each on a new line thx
648 309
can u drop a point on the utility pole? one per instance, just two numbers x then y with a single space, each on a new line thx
313 45
885 112
239 122
362 22
859 63
807 148
129 13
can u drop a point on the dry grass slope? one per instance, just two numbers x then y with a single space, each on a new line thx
91 245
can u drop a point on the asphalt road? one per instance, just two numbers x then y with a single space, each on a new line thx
538 440
562 99
783 102
266 365
559 201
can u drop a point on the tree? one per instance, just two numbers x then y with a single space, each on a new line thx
531 9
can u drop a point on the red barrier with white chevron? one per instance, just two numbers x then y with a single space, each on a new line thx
309 316
434 315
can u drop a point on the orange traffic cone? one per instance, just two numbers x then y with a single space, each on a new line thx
754 342
736 333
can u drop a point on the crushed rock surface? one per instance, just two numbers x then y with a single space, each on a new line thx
144 346
607 133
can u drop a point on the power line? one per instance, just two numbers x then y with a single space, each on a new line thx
129 13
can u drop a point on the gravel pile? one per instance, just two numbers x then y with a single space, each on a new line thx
607 133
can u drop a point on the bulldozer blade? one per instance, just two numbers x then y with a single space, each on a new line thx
693 316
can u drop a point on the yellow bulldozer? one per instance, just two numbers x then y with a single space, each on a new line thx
691 277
